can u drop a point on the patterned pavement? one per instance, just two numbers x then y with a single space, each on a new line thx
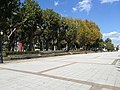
95 71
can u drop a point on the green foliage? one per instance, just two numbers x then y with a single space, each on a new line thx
50 25
8 8
101 44
46 29
108 44
87 33
31 14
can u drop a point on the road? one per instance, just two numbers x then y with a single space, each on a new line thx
95 71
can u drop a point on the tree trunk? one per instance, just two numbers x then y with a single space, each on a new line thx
68 47
54 48
46 46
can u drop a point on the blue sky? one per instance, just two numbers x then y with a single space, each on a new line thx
106 13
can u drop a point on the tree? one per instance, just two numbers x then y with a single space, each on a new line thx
68 27
83 34
8 8
95 32
87 33
31 14
98 45
50 25
9 14
46 29
109 45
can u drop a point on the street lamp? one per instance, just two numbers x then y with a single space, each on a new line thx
1 58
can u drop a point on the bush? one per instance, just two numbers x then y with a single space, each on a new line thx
6 53
20 53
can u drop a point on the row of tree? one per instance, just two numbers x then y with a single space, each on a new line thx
45 29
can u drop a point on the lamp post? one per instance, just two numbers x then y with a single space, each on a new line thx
1 58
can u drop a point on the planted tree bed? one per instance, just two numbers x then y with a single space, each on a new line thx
15 56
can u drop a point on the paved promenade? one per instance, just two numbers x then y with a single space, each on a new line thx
96 71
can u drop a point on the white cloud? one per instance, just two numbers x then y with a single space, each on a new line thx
84 5
74 9
64 15
110 34
108 1
56 3
114 36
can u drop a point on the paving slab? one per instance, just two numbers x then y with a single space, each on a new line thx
96 71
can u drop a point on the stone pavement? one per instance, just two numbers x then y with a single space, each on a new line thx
95 71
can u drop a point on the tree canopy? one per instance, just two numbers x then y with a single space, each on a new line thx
46 29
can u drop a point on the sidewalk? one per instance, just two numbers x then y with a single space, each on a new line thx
95 71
